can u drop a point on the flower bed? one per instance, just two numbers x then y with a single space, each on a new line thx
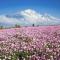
30 43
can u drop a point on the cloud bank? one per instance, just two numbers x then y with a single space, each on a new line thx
28 17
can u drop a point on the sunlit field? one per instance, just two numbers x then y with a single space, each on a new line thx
30 43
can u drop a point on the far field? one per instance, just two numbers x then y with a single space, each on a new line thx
39 43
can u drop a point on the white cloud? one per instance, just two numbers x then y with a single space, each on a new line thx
33 17
29 16
8 20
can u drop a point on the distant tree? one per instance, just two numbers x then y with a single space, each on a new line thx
33 25
1 27
17 26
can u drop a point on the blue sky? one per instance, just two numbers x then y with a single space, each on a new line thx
51 7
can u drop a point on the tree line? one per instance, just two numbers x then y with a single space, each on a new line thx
15 26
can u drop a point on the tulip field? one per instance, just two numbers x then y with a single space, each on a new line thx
30 43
